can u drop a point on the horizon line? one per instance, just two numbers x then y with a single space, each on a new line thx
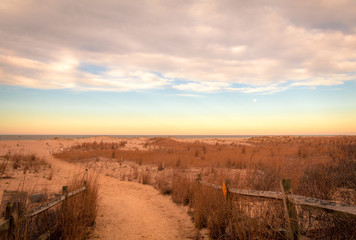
103 135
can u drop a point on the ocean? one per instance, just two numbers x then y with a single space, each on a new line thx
39 137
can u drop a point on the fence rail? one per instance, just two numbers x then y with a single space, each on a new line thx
341 208
53 202
5 224
289 201
12 212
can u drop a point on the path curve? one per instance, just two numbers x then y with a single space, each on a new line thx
127 210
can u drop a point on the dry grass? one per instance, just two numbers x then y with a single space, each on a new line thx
240 218
164 185
24 162
145 178
77 217
3 166
320 167
73 219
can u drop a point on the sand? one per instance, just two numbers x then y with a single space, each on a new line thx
127 210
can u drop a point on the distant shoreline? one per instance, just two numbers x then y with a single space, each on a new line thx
42 137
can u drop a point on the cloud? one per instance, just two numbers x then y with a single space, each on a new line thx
259 90
189 95
321 14
209 46
66 72
207 87
318 82
213 87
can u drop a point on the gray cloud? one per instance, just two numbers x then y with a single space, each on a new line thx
212 45
320 14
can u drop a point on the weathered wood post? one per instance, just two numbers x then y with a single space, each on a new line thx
65 191
290 210
15 213
12 215
65 194
226 190
86 179
7 211
198 179
9 217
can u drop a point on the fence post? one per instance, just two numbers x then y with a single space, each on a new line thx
65 194
65 191
15 212
198 179
290 210
225 188
7 211
86 179
10 218
12 213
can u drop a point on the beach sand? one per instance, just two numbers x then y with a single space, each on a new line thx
127 210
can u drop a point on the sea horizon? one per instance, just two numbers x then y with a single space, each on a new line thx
80 136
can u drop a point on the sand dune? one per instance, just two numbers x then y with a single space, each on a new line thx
127 210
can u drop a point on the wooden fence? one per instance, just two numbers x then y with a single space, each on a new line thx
289 201
14 216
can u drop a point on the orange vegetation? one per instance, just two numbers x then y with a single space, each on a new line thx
321 167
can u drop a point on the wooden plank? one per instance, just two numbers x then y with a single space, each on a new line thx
341 208
53 203
211 185
256 193
45 207
75 192
4 225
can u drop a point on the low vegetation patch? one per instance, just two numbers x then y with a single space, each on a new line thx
320 167
23 162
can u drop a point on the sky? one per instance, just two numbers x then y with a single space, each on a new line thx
163 67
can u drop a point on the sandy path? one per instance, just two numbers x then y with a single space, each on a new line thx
130 210
127 210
